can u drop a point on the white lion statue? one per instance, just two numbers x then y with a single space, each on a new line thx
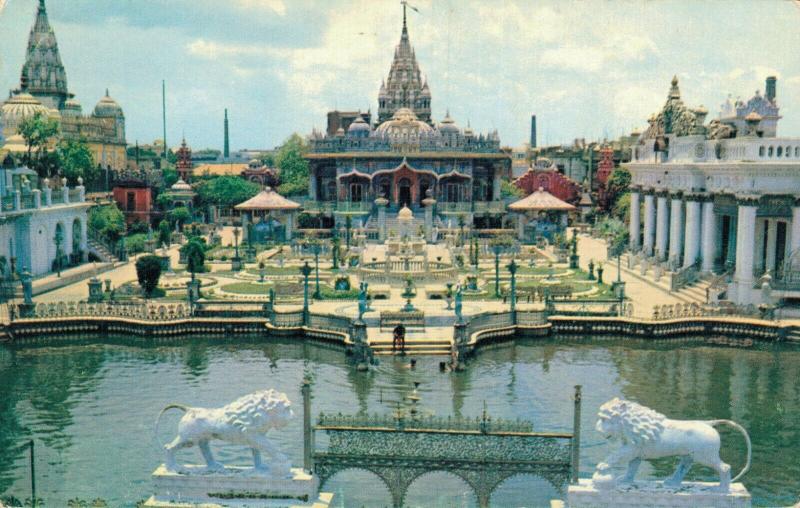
243 421
647 434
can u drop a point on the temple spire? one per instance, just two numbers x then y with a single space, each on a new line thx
43 74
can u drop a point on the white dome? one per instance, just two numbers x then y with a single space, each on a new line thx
21 106
404 123
448 125
107 107
180 185
72 108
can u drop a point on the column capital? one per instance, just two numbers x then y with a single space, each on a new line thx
662 192
635 188
696 196
748 199
648 191
676 195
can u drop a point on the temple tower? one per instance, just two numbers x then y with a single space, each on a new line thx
404 88
43 74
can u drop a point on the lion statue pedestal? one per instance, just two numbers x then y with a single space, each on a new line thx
646 434
268 483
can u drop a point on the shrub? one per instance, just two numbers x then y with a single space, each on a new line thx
148 271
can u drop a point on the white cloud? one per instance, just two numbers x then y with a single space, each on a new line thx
276 6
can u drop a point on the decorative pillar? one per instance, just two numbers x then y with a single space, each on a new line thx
48 193
522 219
745 242
496 185
758 254
649 222
289 226
429 203
37 198
381 203
245 229
691 249
65 190
662 218
676 229
795 240
312 186
635 219
709 242
772 245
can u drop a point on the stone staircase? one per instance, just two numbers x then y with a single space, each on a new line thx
414 346
794 334
101 251
693 293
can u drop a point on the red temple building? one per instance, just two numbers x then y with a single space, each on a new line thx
545 175
135 199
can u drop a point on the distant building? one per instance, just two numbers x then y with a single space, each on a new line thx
43 89
544 175
135 199
184 163
342 120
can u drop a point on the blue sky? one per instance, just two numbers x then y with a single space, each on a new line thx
587 68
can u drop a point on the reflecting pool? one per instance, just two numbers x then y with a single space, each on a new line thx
90 406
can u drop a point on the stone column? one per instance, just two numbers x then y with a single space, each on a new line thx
662 219
795 240
758 253
709 242
381 203
635 219
65 190
521 220
649 222
496 185
745 242
429 203
245 230
772 245
37 198
84 241
691 249
312 187
289 225
676 228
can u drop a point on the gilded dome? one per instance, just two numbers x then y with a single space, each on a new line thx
405 215
21 106
404 123
107 107
180 186
72 108
448 125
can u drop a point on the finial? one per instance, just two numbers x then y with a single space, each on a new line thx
404 12
674 80
106 88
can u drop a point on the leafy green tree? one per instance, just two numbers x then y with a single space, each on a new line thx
617 185
38 131
622 207
293 168
138 227
169 176
148 271
135 243
509 190
76 161
108 222
164 233
180 215
195 253
268 159
226 191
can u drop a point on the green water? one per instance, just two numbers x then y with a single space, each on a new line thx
90 407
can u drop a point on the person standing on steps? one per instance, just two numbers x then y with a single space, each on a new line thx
399 338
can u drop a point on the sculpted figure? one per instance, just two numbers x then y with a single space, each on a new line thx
243 421
647 434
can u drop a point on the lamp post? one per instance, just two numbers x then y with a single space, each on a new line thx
236 264
316 248
497 249
512 268
305 270
336 241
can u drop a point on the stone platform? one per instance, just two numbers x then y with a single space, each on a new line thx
235 487
644 494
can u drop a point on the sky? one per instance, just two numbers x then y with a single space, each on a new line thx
588 69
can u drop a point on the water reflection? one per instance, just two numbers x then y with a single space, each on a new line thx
89 404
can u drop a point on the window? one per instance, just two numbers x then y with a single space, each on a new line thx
788 151
780 151
131 204
761 151
771 151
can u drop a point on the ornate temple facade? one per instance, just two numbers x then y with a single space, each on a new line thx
406 157
719 197
43 89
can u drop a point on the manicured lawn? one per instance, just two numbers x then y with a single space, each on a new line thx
246 288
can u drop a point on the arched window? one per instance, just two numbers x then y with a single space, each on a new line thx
780 151
788 151
771 151
761 151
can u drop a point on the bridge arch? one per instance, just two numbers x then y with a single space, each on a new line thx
337 473
525 489
445 477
